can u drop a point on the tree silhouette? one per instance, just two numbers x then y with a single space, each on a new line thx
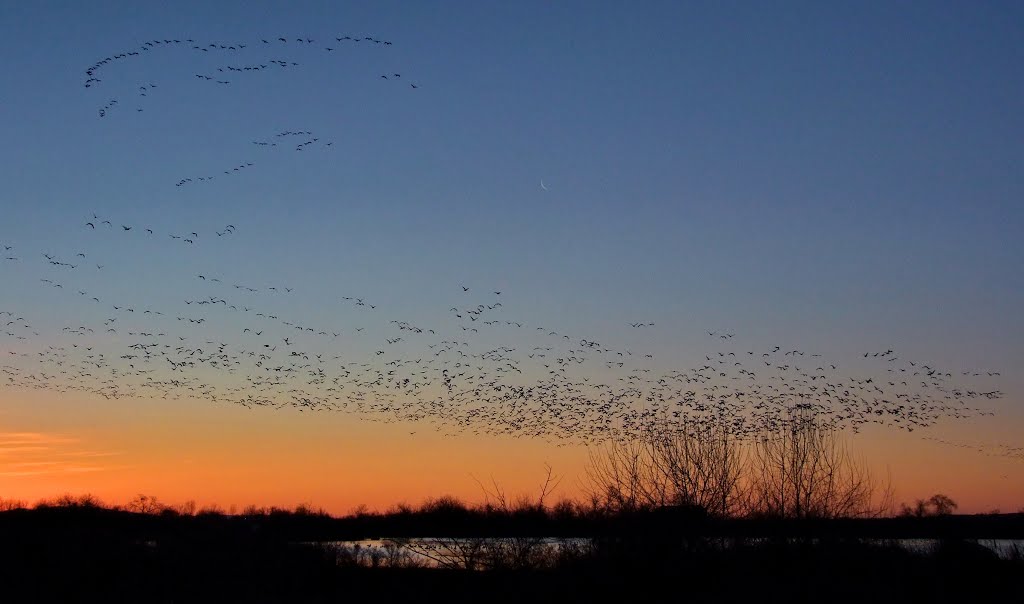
936 505
804 469
695 464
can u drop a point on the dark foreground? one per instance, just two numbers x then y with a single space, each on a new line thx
70 557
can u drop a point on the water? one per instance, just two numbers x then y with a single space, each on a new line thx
434 552
452 552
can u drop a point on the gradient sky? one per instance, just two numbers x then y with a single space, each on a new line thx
839 178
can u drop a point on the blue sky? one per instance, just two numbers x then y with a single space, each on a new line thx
838 177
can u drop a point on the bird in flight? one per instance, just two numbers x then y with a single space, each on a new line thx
543 186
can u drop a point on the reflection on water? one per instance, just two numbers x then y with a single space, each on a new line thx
1004 548
483 553
462 553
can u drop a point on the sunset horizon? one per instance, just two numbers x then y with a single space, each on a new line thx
703 267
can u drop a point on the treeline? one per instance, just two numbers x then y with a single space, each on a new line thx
670 516
75 550
697 478
145 518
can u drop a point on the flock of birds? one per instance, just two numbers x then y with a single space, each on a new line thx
306 138
262 61
230 343
476 368
266 56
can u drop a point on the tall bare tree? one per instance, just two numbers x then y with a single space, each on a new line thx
803 469
699 464
694 463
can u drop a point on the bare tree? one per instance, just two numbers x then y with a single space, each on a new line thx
936 505
522 551
398 555
145 504
452 552
68 500
188 508
693 463
942 504
7 505
698 464
620 476
799 468
804 469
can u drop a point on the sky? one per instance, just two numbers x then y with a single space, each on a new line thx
815 176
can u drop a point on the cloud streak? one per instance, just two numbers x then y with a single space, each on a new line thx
29 454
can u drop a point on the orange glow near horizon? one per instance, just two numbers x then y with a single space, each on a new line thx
232 457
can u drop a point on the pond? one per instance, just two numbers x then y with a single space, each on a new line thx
439 552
